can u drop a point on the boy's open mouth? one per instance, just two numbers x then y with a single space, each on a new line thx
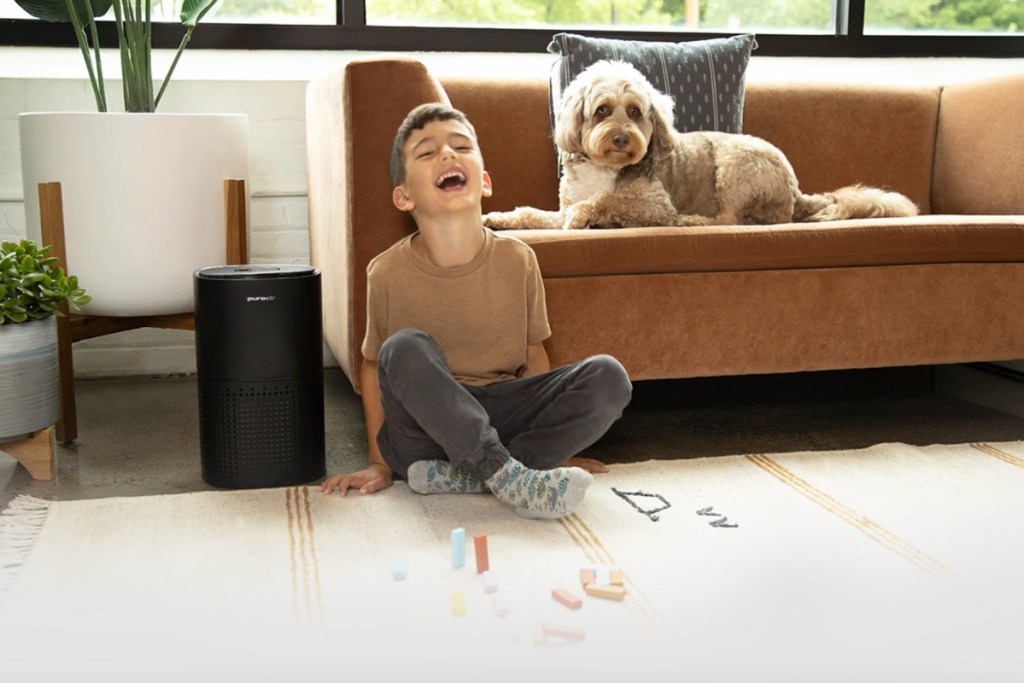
451 181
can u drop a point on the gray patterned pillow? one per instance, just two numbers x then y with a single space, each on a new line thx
704 77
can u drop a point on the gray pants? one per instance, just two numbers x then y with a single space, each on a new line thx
541 420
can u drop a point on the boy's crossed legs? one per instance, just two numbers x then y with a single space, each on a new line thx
509 437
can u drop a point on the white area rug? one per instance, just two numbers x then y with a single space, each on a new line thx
890 563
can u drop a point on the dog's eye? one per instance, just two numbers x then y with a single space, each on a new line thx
635 113
603 110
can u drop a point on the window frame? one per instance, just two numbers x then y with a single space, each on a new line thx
351 32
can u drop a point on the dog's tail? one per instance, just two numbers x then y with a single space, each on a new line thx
852 201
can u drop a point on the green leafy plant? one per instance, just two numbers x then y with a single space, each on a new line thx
32 286
134 25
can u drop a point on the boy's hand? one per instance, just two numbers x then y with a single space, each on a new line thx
374 478
588 464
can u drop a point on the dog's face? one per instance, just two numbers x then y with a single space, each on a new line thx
611 113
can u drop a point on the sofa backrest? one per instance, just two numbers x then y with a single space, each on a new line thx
840 134
512 122
979 148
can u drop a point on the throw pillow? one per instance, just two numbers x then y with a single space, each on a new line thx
704 77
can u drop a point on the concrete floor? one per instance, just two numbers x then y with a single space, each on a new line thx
140 437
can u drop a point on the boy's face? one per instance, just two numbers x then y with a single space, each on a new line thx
444 171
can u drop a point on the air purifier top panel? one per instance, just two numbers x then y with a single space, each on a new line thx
255 271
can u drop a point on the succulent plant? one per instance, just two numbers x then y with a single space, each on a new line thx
32 286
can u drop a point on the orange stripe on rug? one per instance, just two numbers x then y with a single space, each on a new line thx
305 567
292 556
872 529
988 449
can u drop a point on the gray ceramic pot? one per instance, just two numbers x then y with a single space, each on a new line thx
28 378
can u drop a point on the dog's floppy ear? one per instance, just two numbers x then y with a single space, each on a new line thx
569 121
663 116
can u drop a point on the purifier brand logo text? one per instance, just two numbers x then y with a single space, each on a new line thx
250 299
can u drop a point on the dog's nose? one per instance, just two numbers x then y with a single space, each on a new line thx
620 140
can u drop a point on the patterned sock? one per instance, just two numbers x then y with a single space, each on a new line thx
539 494
440 476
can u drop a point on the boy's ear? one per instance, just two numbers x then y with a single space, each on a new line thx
488 188
401 200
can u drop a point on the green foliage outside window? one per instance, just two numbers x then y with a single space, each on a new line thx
773 15
945 15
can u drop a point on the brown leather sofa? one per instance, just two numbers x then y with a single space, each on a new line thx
943 287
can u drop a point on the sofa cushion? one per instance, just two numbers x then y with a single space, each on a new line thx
856 243
704 77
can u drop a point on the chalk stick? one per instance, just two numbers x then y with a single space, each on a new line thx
458 547
609 592
398 570
566 632
480 549
458 604
490 582
608 575
566 598
587 576
501 604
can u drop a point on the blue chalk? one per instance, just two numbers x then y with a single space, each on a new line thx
398 570
458 547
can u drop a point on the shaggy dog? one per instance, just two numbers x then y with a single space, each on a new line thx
625 165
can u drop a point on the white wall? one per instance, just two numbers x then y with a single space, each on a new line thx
270 88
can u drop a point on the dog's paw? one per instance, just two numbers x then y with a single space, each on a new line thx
499 220
576 219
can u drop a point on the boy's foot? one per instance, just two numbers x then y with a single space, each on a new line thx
539 494
440 476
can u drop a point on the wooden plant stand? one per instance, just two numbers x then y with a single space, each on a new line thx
74 327
36 453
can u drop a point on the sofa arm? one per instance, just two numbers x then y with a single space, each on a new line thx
979 151
351 217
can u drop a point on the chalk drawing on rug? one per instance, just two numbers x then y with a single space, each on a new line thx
652 513
722 522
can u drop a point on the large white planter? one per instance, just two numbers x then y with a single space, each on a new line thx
143 199
28 378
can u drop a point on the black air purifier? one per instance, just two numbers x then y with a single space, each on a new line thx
259 363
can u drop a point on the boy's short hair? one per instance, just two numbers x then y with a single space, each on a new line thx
416 120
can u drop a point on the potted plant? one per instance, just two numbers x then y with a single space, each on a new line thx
32 289
134 28
141 189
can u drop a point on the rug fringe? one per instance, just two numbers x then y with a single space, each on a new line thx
20 525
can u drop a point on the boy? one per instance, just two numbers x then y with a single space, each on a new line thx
458 394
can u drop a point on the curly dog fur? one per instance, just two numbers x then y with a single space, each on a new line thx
625 165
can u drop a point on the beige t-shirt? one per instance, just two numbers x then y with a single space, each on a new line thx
482 314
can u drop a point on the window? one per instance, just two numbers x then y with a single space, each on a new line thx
944 16
848 28
227 11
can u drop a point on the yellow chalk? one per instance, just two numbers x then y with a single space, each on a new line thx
610 592
458 604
